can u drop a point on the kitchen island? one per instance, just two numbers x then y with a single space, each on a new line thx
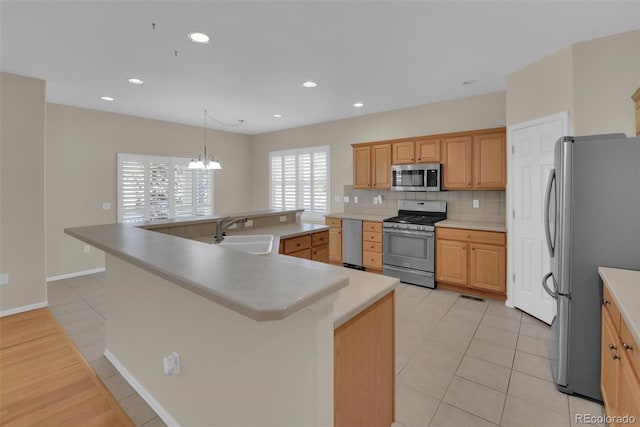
255 334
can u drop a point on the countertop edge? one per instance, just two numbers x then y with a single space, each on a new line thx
605 273
347 316
472 225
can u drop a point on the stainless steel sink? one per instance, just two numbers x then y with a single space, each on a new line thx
258 244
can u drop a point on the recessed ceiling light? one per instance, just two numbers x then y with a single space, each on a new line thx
309 84
107 98
199 37
277 116
468 82
135 81
358 105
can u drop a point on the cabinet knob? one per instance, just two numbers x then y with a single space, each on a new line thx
605 301
412 159
371 259
615 356
473 249
419 158
478 183
627 346
297 244
612 347
468 184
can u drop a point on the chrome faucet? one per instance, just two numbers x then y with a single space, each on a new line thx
221 226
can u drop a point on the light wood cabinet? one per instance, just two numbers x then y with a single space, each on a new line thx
403 153
364 367
476 161
636 99
372 246
335 240
620 364
471 260
457 162
313 246
372 166
428 150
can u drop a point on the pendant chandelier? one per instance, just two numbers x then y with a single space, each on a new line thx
204 161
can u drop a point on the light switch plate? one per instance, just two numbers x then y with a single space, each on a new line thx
476 203
4 279
86 249
283 218
249 223
375 200
345 199
106 206
355 199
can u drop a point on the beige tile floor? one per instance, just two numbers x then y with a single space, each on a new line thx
459 362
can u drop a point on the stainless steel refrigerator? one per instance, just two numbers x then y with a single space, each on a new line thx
592 218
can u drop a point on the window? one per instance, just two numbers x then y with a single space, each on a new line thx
154 187
300 180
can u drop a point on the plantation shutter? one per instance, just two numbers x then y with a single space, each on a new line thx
133 193
183 193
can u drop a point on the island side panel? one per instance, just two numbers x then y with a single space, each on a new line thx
234 370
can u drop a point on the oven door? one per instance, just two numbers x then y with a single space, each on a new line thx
409 249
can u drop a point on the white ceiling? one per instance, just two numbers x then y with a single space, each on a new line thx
387 54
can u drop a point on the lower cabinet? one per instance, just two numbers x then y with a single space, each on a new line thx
313 246
335 240
620 366
372 246
364 367
472 260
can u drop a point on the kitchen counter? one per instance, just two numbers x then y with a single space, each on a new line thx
261 288
362 217
211 218
625 291
473 225
363 290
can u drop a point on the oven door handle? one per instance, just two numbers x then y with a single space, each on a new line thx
410 233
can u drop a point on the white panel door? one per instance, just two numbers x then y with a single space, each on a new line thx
531 145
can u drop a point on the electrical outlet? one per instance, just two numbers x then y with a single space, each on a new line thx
283 218
106 206
336 199
476 203
375 200
86 249
249 223
171 364
355 199
345 199
4 279
380 199
233 226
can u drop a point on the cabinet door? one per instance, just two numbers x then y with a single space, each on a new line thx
609 364
335 245
362 167
457 153
451 262
381 160
320 253
629 392
490 161
403 152
428 150
305 253
487 267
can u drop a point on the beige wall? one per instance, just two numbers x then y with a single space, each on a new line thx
22 172
606 74
478 112
541 89
81 172
593 81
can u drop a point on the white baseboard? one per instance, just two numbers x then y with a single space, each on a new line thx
24 308
162 413
76 274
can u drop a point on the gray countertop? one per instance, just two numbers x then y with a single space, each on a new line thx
473 225
625 291
209 218
260 287
360 216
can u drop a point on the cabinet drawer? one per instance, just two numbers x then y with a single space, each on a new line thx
333 222
464 235
372 226
305 253
296 244
372 247
631 348
372 260
369 236
611 308
321 238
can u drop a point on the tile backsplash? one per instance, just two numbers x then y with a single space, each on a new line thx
492 204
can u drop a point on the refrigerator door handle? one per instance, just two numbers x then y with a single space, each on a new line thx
547 200
554 293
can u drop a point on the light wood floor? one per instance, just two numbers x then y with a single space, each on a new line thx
44 380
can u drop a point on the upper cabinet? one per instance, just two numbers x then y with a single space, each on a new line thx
472 160
636 99
372 166
475 161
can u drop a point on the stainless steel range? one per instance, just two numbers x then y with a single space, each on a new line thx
409 241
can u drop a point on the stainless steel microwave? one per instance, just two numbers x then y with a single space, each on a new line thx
418 177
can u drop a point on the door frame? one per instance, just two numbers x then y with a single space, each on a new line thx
563 117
